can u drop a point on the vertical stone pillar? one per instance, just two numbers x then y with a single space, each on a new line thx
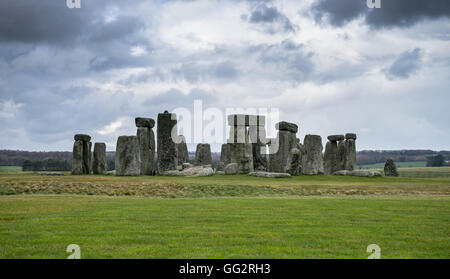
81 156
281 152
203 155
167 142
350 148
331 157
183 154
257 137
312 161
241 151
146 138
128 157
225 157
99 163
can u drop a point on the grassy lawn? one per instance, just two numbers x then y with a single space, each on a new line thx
41 226
399 165
13 169
219 186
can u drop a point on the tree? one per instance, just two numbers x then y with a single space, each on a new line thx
436 161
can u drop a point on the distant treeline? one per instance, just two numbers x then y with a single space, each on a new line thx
368 157
53 161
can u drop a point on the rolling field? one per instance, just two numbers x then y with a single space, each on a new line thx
223 216
398 164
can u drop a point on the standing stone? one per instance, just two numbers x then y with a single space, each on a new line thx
183 154
77 157
128 157
257 137
242 156
99 164
331 157
341 154
390 169
146 138
81 156
281 153
312 161
225 157
167 137
350 152
241 149
203 155
295 161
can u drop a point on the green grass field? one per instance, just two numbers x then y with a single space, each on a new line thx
223 216
13 169
417 164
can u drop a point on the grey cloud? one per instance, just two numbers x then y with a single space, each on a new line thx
403 13
406 64
292 61
174 98
263 14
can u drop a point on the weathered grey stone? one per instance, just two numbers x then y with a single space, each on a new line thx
349 136
331 158
128 157
295 159
242 155
257 136
225 157
82 137
203 154
145 122
286 126
312 161
390 169
187 166
146 139
183 154
341 155
270 174
342 172
87 157
231 168
220 172
167 137
246 120
280 151
360 173
99 163
77 157
350 154
191 172
336 137
365 173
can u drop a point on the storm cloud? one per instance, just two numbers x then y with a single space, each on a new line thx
92 70
393 13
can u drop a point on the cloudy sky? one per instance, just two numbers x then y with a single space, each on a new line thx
330 66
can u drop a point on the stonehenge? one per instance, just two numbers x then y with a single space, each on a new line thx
390 169
203 155
99 163
81 155
146 140
128 156
243 153
167 136
312 160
